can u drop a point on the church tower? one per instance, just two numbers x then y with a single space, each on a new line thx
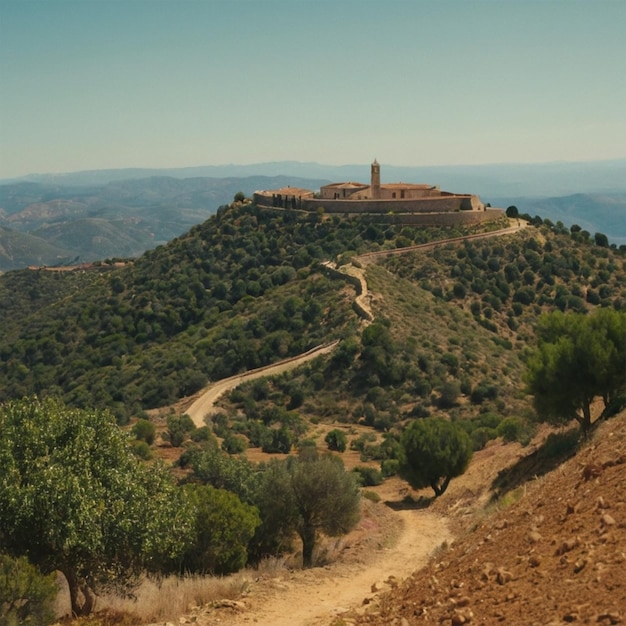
375 180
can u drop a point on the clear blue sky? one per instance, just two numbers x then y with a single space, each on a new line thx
94 84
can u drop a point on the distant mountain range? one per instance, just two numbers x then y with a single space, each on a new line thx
514 180
51 219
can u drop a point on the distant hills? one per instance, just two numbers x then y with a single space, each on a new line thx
50 219
52 224
509 179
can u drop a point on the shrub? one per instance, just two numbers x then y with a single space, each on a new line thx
223 527
514 429
280 441
368 476
336 440
450 392
141 449
178 427
26 595
372 496
389 467
233 444
202 434
145 431
434 452
481 435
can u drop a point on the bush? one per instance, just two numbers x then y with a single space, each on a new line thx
279 442
450 392
481 435
336 440
514 429
223 527
372 496
26 595
141 449
368 476
233 444
178 427
389 467
434 452
145 431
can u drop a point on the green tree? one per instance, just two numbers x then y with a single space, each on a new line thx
433 452
26 595
223 527
512 211
578 358
275 501
74 498
601 240
336 440
326 499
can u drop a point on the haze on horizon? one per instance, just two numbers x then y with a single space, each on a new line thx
105 84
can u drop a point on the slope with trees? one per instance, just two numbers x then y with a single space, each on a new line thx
578 358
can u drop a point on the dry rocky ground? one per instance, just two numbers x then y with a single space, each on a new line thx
555 556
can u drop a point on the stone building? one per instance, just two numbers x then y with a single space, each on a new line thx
403 199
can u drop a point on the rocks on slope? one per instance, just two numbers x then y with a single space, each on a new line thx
556 556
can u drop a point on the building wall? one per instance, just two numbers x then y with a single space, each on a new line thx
466 218
446 204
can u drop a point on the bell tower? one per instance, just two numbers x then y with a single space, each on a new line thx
375 180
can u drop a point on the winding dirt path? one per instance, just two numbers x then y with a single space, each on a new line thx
314 597
205 403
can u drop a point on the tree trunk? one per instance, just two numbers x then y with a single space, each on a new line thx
308 536
585 420
81 596
439 486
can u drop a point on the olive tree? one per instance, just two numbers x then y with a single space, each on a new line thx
74 498
434 452
578 358
326 499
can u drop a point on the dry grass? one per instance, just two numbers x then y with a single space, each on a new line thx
167 599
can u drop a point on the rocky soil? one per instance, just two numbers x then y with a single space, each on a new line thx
555 556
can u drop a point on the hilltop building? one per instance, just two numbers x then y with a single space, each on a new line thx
409 203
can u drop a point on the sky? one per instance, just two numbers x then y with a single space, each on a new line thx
97 84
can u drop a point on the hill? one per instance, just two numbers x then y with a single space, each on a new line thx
89 216
59 224
444 332
246 288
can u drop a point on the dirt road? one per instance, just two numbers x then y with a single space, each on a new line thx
314 597
206 401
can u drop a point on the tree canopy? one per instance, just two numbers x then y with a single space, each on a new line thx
326 499
74 498
578 358
433 452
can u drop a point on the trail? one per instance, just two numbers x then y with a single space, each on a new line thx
314 597
209 396
205 403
